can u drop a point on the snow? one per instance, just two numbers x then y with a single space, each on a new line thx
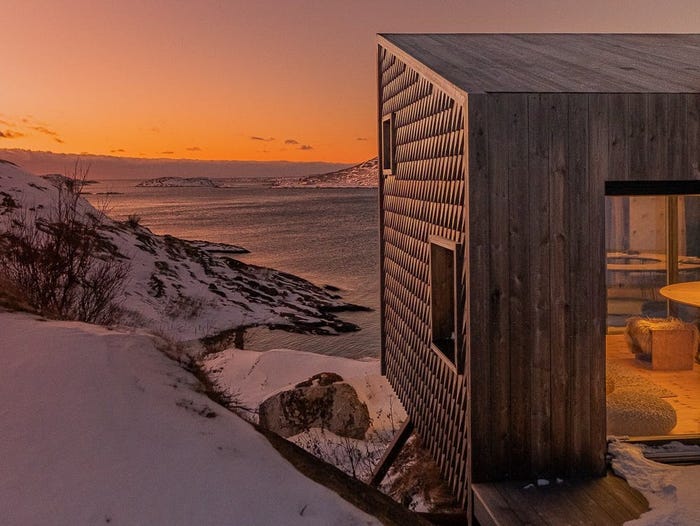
363 175
187 289
672 491
99 426
250 377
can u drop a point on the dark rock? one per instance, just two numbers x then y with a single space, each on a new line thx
334 407
321 379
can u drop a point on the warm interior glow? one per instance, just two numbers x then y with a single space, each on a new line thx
652 370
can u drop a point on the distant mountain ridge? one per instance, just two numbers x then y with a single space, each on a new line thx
180 182
363 175
104 167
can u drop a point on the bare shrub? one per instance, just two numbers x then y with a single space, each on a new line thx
65 266
133 221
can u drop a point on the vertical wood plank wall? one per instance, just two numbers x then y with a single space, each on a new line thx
537 170
424 197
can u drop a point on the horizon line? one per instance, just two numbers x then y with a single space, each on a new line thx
177 159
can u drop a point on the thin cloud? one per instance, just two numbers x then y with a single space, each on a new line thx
118 150
361 139
291 141
305 147
167 152
10 134
193 149
44 130
49 132
264 139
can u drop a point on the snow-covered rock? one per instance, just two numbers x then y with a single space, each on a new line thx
186 289
365 174
100 427
249 377
180 182
333 407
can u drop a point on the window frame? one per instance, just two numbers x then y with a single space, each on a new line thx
387 144
456 363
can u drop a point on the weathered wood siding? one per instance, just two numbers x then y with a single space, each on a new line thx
424 197
528 206
537 170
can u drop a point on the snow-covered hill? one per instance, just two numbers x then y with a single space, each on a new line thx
100 427
187 289
361 175
180 182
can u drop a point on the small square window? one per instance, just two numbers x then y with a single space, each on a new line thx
388 144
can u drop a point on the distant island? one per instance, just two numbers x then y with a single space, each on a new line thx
363 175
180 182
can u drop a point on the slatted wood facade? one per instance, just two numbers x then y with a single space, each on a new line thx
424 197
517 176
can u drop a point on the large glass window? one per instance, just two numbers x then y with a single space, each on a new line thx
652 275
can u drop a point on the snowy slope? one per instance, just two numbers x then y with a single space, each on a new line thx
98 427
188 289
365 174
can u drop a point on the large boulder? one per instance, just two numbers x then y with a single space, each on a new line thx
316 403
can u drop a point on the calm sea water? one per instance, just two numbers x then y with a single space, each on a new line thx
328 236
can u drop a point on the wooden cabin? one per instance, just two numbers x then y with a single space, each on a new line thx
497 152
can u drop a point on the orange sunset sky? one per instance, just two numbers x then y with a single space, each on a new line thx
249 80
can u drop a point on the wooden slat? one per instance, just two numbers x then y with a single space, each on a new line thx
519 317
479 292
618 160
498 396
589 507
599 107
391 452
553 503
560 276
539 232
635 119
579 252
491 509
578 502
693 135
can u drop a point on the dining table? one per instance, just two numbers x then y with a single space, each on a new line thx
687 293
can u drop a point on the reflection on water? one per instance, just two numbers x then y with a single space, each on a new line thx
328 236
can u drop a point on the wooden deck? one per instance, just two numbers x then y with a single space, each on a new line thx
602 501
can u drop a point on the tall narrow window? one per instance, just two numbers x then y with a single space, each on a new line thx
443 303
388 144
